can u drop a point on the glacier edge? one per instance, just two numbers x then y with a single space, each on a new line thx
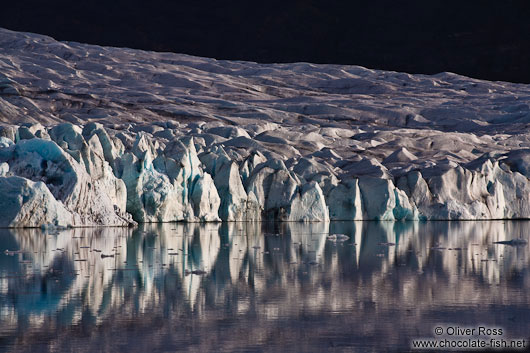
83 176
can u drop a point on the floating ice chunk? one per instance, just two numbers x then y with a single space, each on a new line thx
338 237
52 228
513 242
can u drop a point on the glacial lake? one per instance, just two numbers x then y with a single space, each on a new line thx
253 287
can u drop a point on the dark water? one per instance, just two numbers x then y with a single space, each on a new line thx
265 287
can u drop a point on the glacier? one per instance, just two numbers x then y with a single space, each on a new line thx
95 135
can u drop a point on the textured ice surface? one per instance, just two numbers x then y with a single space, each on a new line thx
30 204
118 134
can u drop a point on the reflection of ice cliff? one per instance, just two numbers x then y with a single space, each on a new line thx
83 274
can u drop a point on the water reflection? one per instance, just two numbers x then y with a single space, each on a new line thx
255 287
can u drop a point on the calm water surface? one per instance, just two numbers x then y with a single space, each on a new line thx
259 287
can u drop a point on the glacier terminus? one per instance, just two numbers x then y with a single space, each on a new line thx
111 136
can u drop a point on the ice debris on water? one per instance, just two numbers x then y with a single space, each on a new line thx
195 272
12 252
338 237
513 242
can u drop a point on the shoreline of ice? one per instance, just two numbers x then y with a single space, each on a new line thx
69 175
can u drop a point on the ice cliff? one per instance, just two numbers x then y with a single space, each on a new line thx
90 175
108 136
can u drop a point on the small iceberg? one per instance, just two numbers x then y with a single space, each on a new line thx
338 237
513 242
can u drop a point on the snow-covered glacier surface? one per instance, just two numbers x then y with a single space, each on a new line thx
111 136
